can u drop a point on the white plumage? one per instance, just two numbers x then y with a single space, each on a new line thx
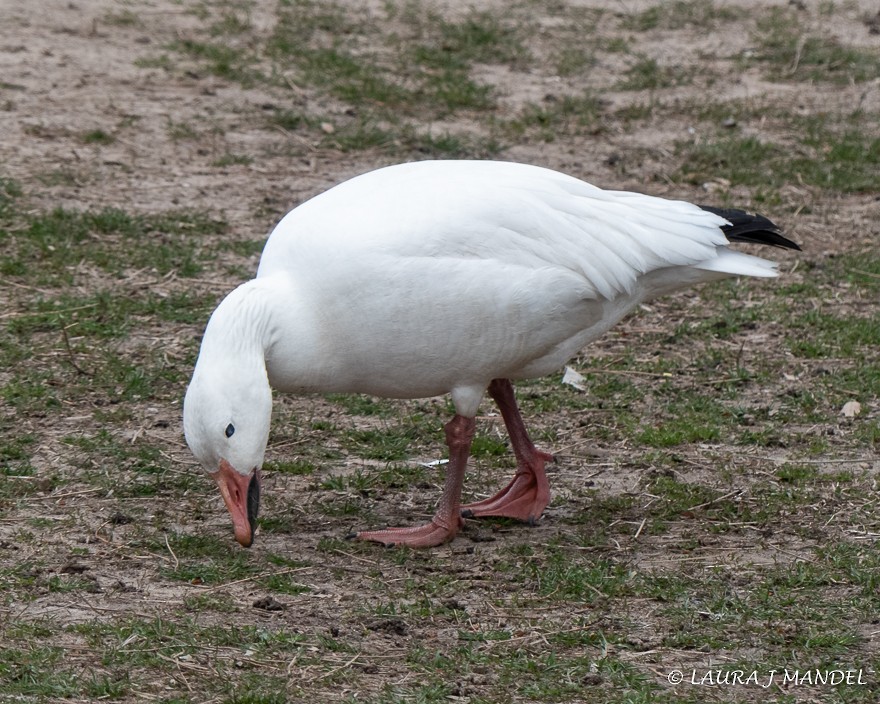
439 277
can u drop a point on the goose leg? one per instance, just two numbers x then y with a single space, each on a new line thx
528 493
447 520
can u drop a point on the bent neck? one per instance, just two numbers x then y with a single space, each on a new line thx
240 329
264 329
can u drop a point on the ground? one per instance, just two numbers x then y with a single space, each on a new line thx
714 514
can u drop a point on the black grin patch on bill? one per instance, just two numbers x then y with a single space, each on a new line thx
253 503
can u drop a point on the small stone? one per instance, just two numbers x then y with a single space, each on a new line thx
851 409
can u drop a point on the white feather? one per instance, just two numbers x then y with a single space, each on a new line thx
437 277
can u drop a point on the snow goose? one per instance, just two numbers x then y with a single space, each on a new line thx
442 277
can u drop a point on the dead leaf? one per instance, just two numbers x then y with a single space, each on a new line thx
573 378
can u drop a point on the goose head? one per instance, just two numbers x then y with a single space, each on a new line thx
226 416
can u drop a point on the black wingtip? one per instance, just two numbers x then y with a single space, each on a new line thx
749 227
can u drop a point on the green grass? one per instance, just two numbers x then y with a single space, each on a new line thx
837 154
831 335
711 505
794 53
98 136
15 454
162 61
437 69
124 18
231 159
387 79
222 60
647 74
37 672
481 36
105 315
680 14
110 239
556 118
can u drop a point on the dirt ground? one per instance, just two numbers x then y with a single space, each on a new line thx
71 71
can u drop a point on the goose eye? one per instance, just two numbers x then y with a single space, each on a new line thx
230 429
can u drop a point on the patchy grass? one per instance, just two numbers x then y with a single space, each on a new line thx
47 247
556 118
386 78
836 153
679 14
713 507
647 74
432 73
793 52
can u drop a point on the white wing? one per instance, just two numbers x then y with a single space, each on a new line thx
511 213
422 278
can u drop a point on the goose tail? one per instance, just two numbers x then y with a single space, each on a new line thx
748 227
745 227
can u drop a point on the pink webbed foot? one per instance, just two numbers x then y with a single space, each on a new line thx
429 535
447 521
523 499
528 494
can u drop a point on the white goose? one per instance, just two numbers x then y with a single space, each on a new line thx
441 277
